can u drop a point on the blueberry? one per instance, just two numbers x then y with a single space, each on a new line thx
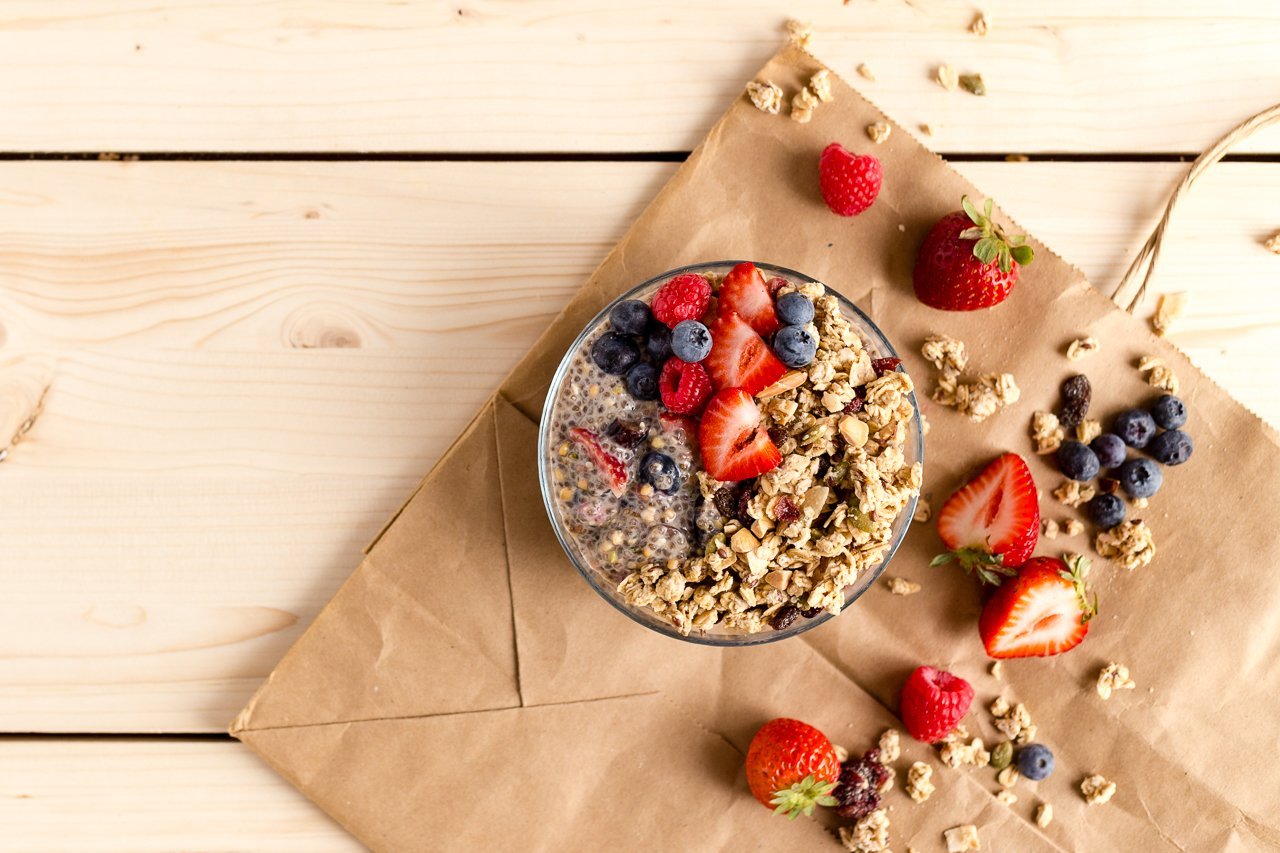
630 317
1077 461
794 309
1106 511
795 345
1035 762
1109 449
1169 412
1140 478
690 341
642 382
1135 427
659 470
614 353
1171 448
658 342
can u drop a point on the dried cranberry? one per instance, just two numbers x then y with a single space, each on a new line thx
627 433
855 405
785 511
883 365
787 614
857 791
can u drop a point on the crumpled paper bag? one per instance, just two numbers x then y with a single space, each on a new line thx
466 690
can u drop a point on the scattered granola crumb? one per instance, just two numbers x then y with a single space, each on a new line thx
1014 722
1008 777
1273 243
923 511
1088 429
981 25
1159 375
1141 503
1169 308
1046 432
820 83
1048 529
878 132
1081 347
1130 543
1073 493
924 422
1007 797
890 745
961 839
1114 676
865 72
997 670
920 782
800 32
868 835
1073 527
802 106
928 129
1097 790
842 754
999 706
978 399
948 78
902 586
766 96
973 84
955 752
1044 815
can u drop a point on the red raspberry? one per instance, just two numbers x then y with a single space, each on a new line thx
685 387
685 297
775 284
850 183
933 702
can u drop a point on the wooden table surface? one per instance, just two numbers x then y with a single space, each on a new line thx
337 224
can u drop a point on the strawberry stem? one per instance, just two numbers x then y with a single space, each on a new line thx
991 243
801 797
985 566
1076 575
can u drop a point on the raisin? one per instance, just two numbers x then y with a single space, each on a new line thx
810 612
786 616
744 498
884 365
785 511
777 434
627 433
824 465
1076 394
726 501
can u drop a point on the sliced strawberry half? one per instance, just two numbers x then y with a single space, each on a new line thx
991 524
610 466
734 442
739 356
1044 610
745 292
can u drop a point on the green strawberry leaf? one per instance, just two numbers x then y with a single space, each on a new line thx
988 207
986 249
1023 254
942 559
971 233
970 210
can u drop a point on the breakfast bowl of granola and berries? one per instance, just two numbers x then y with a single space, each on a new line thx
730 453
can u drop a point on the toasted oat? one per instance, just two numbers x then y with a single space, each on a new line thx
1008 777
1074 493
766 96
981 25
948 78
1014 722
1114 676
920 782
1159 374
878 132
1088 429
1129 543
928 129
976 400
1273 243
868 835
1073 527
1049 528
1007 797
820 84
1081 347
1169 308
999 706
1044 815
997 670
902 586
842 754
956 753
1046 432
961 839
800 32
802 106
865 72
923 511
890 746
1097 790
973 84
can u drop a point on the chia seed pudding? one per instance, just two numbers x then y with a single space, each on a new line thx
748 487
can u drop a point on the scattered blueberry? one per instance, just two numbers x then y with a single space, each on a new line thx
1141 478
1171 448
690 341
1135 427
794 309
795 345
1169 412
1106 511
1077 461
614 353
630 317
658 342
642 382
659 470
1109 449
1035 762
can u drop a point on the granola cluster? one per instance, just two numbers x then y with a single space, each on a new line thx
1013 721
1081 347
976 399
920 785
1129 543
808 528
961 839
1074 493
1159 375
1046 432
1097 790
956 753
869 835
1114 676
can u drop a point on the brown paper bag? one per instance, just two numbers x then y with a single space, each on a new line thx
466 690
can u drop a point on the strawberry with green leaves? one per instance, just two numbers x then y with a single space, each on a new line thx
992 523
792 767
1045 610
967 261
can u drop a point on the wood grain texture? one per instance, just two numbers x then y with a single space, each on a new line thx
561 75
152 796
240 393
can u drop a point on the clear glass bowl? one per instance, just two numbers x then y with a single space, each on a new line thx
877 345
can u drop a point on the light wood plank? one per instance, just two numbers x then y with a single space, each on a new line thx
81 795
561 75
206 467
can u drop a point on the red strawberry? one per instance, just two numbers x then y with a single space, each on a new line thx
967 262
992 523
1043 611
684 297
933 703
611 468
739 357
850 182
734 443
745 292
684 387
792 767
